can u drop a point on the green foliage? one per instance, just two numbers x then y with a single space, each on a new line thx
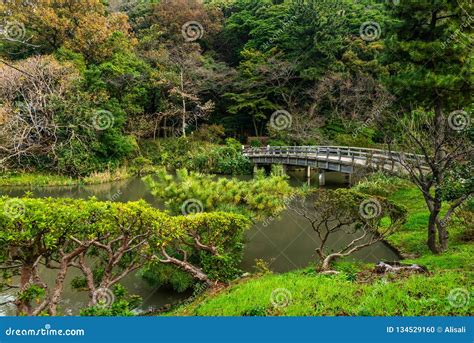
255 143
209 133
459 181
223 231
163 275
380 184
411 237
258 197
198 156
428 54
48 228
34 179
33 292
224 159
141 165
123 305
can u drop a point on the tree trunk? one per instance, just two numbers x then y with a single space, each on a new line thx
58 288
255 127
195 272
434 224
184 103
23 307
326 262
432 244
442 236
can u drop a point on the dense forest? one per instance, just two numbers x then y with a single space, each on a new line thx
84 83
99 90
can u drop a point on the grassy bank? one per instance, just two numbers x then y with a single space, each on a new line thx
303 293
50 180
444 290
212 158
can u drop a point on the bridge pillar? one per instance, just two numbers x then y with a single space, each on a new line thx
308 175
255 168
322 177
348 179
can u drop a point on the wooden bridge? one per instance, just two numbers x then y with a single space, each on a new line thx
330 158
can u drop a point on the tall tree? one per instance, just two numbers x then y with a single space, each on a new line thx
431 73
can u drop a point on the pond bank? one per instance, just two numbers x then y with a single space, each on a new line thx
444 290
51 180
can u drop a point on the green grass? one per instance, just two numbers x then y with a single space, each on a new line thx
411 239
311 294
50 180
304 293
36 180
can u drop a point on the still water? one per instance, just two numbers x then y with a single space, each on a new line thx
285 243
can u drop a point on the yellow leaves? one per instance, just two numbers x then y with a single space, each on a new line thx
83 26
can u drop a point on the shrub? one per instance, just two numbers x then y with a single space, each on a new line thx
380 184
261 196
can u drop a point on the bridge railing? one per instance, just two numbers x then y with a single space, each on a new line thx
332 152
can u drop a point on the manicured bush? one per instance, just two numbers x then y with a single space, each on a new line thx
107 241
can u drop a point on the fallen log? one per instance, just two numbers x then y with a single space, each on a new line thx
395 267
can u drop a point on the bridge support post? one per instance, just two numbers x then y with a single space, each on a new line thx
348 179
308 175
255 168
322 177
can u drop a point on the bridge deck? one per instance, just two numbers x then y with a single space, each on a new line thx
341 159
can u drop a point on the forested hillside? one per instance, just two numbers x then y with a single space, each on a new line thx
84 83
122 120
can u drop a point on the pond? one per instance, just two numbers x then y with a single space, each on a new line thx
285 243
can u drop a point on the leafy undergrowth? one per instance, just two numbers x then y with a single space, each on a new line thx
444 290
